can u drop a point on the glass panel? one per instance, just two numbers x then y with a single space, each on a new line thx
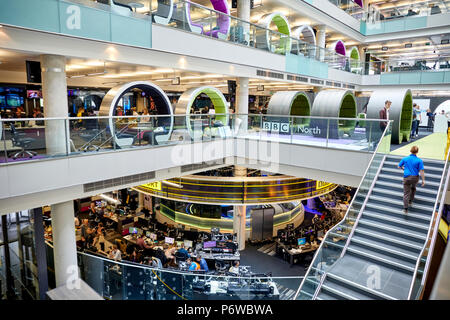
129 281
336 238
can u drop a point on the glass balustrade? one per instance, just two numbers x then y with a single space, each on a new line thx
406 64
405 9
195 18
123 280
334 242
44 138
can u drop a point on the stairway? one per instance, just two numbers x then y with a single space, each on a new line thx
381 257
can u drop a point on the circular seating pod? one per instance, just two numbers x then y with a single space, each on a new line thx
291 103
306 34
282 24
164 12
353 54
401 111
336 104
339 47
122 137
197 128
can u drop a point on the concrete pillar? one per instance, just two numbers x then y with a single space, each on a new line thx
240 212
242 102
320 41
54 92
64 242
243 12
239 225
141 201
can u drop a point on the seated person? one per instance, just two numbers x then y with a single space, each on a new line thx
141 242
202 262
192 265
183 250
135 256
234 268
115 254
169 252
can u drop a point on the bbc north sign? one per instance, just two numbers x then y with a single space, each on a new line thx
284 127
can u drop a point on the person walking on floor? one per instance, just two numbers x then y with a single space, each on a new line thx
412 166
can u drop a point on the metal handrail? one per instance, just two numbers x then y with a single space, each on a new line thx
346 214
432 227
369 192
206 116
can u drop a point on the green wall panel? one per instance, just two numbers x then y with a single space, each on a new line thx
76 20
40 15
395 25
94 23
410 78
447 76
390 78
131 31
415 23
432 77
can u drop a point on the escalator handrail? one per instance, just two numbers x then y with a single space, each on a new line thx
348 210
433 225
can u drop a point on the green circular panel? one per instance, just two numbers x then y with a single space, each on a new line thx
218 101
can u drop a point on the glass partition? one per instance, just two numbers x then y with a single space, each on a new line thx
32 140
336 238
115 280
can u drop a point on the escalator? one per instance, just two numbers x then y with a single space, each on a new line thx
378 252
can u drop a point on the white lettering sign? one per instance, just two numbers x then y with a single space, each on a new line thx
73 22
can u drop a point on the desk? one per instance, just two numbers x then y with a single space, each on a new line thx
295 253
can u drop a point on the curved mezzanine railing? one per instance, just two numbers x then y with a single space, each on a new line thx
123 280
53 138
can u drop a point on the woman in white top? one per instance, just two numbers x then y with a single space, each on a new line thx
234 268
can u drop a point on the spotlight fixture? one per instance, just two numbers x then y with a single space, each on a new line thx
408 45
384 48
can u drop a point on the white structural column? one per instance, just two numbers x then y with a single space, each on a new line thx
320 40
239 213
242 103
140 200
54 92
243 13
64 242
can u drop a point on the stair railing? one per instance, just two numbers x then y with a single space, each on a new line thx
363 207
416 289
350 207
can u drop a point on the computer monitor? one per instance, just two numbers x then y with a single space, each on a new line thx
169 240
301 241
188 243
133 230
209 244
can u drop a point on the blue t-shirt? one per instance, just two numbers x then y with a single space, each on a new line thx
412 165
203 265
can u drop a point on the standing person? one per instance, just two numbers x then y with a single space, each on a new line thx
412 166
384 115
430 116
417 117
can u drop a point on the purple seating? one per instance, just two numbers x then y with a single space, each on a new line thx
195 27
223 21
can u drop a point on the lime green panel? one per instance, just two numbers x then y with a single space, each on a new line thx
301 107
406 119
347 110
